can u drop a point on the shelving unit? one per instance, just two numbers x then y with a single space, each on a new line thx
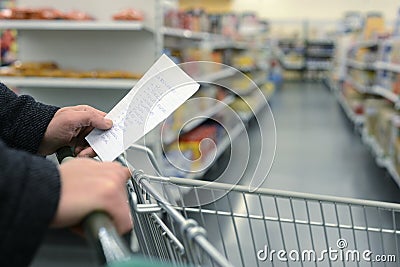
360 65
102 44
170 137
380 158
319 55
315 55
386 93
291 47
378 64
225 143
359 87
221 148
356 119
188 34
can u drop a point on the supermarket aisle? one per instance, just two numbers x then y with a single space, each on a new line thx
318 150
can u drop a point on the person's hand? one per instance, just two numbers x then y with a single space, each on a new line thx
88 185
69 127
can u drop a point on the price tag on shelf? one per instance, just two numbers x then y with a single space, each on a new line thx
163 88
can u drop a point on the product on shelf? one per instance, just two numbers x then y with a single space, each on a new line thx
190 144
384 127
354 98
77 15
396 83
20 13
244 61
236 26
374 25
129 14
51 69
372 107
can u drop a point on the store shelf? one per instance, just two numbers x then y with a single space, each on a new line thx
386 93
360 65
319 55
188 34
71 25
253 86
359 87
247 116
358 120
379 155
367 43
212 77
42 82
318 67
291 66
222 146
320 42
393 67
376 150
228 44
392 171
202 117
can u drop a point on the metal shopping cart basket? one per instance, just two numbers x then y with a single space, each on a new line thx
257 226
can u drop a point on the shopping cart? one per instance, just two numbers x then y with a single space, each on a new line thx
256 226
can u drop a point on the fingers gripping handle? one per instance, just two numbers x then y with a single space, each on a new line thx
99 228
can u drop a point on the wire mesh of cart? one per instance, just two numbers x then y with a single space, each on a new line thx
259 226
264 227
251 226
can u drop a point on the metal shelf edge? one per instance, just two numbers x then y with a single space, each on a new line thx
84 83
71 25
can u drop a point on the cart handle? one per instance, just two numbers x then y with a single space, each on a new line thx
100 230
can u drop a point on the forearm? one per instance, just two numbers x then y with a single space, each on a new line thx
23 121
29 195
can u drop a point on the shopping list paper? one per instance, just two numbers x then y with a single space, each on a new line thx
162 89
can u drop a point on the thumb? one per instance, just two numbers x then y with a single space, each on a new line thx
95 120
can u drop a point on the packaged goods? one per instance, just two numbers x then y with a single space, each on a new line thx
21 13
129 14
52 69
372 107
374 25
191 145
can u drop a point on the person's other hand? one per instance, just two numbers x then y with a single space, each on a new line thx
70 126
87 186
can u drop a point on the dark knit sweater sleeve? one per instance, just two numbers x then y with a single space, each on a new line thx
29 195
23 121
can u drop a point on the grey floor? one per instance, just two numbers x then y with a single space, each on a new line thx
318 151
